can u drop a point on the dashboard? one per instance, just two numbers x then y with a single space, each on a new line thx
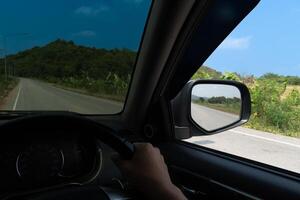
37 161
50 155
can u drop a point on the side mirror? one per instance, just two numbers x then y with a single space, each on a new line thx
210 106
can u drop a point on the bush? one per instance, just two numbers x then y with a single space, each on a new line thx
270 112
6 85
113 87
294 98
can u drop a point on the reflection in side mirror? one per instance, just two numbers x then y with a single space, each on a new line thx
215 106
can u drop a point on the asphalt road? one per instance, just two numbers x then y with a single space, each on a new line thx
211 119
275 150
36 95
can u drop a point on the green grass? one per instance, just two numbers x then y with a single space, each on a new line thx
259 124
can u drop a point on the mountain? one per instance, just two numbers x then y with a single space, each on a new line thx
62 59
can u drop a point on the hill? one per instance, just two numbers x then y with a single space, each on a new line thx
99 72
205 72
62 59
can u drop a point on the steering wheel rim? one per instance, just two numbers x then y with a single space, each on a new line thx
71 121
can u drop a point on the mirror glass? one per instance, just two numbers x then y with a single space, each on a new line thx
215 106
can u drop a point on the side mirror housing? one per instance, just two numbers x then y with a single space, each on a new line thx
209 107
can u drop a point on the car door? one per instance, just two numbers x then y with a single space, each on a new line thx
199 171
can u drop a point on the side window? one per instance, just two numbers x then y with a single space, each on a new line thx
264 57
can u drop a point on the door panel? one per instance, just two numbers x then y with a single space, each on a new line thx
211 174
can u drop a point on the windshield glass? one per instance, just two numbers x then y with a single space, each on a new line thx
63 55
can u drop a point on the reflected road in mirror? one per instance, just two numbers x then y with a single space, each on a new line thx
210 119
215 106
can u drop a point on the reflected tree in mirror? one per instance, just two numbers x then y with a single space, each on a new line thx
215 106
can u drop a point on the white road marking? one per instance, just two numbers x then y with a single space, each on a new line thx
264 138
17 98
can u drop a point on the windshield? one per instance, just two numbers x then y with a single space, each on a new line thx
63 55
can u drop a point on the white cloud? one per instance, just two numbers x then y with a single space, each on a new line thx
236 43
91 11
85 33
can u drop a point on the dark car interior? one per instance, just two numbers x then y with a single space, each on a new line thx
65 155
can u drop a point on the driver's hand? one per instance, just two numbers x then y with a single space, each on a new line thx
148 173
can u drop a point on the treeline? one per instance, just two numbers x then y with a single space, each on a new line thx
219 100
290 80
63 62
208 73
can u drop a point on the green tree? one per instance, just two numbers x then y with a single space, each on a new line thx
231 76
206 73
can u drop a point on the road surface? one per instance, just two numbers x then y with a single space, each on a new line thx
36 95
276 150
211 119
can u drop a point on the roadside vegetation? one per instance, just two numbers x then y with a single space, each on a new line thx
275 100
6 85
99 72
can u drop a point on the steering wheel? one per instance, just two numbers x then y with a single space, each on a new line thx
70 121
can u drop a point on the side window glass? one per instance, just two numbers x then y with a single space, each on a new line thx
264 56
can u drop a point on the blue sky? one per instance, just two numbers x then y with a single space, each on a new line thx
268 40
214 90
98 23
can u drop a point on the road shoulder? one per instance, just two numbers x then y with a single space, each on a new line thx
8 101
